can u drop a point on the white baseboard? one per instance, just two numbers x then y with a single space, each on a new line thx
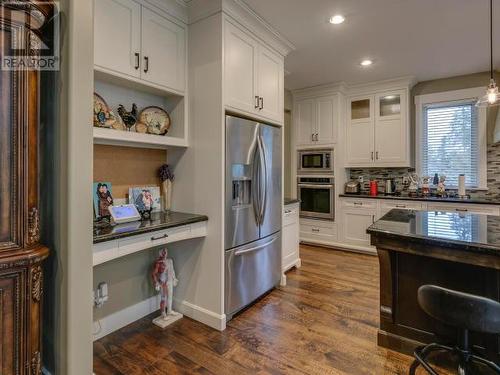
122 318
342 246
210 318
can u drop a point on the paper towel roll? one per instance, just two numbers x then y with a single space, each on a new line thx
461 185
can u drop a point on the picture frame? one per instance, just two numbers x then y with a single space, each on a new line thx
102 199
145 198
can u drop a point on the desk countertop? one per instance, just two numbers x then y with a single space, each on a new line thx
158 221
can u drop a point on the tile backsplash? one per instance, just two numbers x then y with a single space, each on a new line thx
381 174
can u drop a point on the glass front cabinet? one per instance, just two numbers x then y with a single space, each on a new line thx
377 129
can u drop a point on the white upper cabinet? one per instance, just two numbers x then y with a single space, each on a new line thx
117 36
253 75
377 130
316 121
270 84
305 116
240 62
163 51
326 125
131 40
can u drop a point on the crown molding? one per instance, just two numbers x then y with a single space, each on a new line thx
320 90
383 85
245 16
177 9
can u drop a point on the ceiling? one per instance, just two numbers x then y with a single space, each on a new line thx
427 39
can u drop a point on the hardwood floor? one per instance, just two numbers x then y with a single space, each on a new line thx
323 322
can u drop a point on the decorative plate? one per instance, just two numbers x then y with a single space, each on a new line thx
103 116
156 119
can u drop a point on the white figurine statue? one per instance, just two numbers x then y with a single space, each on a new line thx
441 189
164 281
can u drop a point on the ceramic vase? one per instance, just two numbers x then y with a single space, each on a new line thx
167 195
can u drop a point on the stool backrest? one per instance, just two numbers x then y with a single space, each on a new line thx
463 310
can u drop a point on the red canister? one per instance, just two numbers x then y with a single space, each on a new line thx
373 187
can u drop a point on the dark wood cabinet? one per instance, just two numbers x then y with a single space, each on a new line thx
21 254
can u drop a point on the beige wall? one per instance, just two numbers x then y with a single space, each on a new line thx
128 281
454 83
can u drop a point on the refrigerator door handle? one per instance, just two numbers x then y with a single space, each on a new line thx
256 192
255 248
263 179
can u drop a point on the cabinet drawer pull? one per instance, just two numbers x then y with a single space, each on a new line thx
358 203
261 103
137 60
400 206
288 211
376 155
256 101
372 155
461 209
315 230
159 237
146 67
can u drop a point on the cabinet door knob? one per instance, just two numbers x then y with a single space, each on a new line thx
146 67
137 60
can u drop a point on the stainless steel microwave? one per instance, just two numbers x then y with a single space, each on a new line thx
315 161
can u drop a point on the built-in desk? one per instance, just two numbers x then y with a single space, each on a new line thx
459 251
111 242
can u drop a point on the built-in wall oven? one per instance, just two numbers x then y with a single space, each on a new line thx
317 197
315 161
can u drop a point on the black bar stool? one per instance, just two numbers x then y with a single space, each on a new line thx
466 312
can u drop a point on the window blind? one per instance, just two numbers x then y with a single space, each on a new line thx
450 142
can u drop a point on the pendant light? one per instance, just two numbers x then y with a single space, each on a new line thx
492 97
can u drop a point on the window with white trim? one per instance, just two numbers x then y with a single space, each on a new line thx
451 140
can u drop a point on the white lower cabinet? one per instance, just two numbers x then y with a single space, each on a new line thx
290 256
357 215
318 231
290 242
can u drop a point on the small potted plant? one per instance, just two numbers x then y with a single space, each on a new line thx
166 177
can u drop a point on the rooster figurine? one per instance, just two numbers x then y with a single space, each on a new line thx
129 118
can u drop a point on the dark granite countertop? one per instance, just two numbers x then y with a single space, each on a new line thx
424 199
158 221
291 201
458 231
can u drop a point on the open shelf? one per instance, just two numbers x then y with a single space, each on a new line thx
132 139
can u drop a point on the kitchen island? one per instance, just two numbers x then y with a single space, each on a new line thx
459 251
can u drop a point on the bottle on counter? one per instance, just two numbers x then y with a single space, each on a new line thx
373 187
461 185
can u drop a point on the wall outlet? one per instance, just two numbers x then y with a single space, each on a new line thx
101 295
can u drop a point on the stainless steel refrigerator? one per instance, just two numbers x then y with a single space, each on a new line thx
253 204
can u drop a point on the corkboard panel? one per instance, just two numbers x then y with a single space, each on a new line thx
126 167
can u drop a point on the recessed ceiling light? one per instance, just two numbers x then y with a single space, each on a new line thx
366 62
337 19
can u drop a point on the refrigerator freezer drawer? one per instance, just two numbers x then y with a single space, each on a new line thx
251 271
